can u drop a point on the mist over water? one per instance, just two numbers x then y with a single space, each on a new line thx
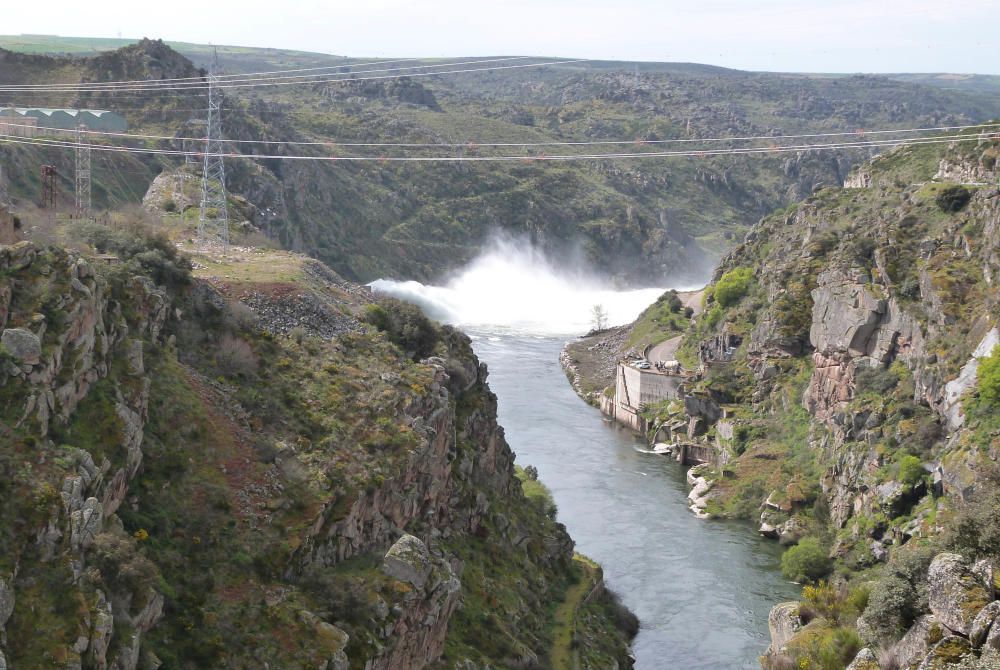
514 288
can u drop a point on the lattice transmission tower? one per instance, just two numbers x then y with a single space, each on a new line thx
83 190
213 219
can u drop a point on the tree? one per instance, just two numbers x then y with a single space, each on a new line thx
953 198
598 317
808 561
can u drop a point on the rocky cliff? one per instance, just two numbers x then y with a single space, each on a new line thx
847 415
191 482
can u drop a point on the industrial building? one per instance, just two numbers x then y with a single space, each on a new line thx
637 385
60 119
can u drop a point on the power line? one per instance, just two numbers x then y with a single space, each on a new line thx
701 153
223 77
476 144
200 83
346 77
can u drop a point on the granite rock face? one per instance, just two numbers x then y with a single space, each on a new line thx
955 594
23 345
783 622
408 561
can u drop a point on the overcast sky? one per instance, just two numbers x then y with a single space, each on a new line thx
782 35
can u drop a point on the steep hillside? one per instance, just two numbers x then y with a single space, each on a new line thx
256 466
636 221
837 388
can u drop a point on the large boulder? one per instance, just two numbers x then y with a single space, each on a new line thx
846 314
955 595
23 345
703 407
865 660
984 623
408 561
993 640
783 622
946 653
913 647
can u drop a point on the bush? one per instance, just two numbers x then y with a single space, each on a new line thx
122 567
141 249
892 608
988 375
862 249
911 470
671 300
900 596
808 561
235 357
975 531
406 326
953 198
910 288
732 286
876 380
713 316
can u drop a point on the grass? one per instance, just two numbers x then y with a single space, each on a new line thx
257 266
563 655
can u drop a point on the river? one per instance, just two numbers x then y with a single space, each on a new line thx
701 589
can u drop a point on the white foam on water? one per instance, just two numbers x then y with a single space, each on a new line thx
512 288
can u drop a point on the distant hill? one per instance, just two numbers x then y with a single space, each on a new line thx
637 221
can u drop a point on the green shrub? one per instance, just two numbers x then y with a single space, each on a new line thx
140 249
975 531
713 316
911 470
909 288
892 608
953 198
877 380
406 326
988 374
862 249
671 300
732 286
808 561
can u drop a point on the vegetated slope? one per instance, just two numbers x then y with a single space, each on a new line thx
851 421
244 472
639 221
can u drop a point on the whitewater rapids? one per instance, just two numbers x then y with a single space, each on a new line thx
514 288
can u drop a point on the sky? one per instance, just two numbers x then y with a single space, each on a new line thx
775 35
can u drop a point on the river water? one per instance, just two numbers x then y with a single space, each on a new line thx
701 589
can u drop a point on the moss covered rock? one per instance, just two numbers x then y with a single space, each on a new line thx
955 595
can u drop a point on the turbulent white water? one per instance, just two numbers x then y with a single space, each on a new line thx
514 288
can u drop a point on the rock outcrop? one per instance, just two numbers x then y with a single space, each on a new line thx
955 594
783 622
